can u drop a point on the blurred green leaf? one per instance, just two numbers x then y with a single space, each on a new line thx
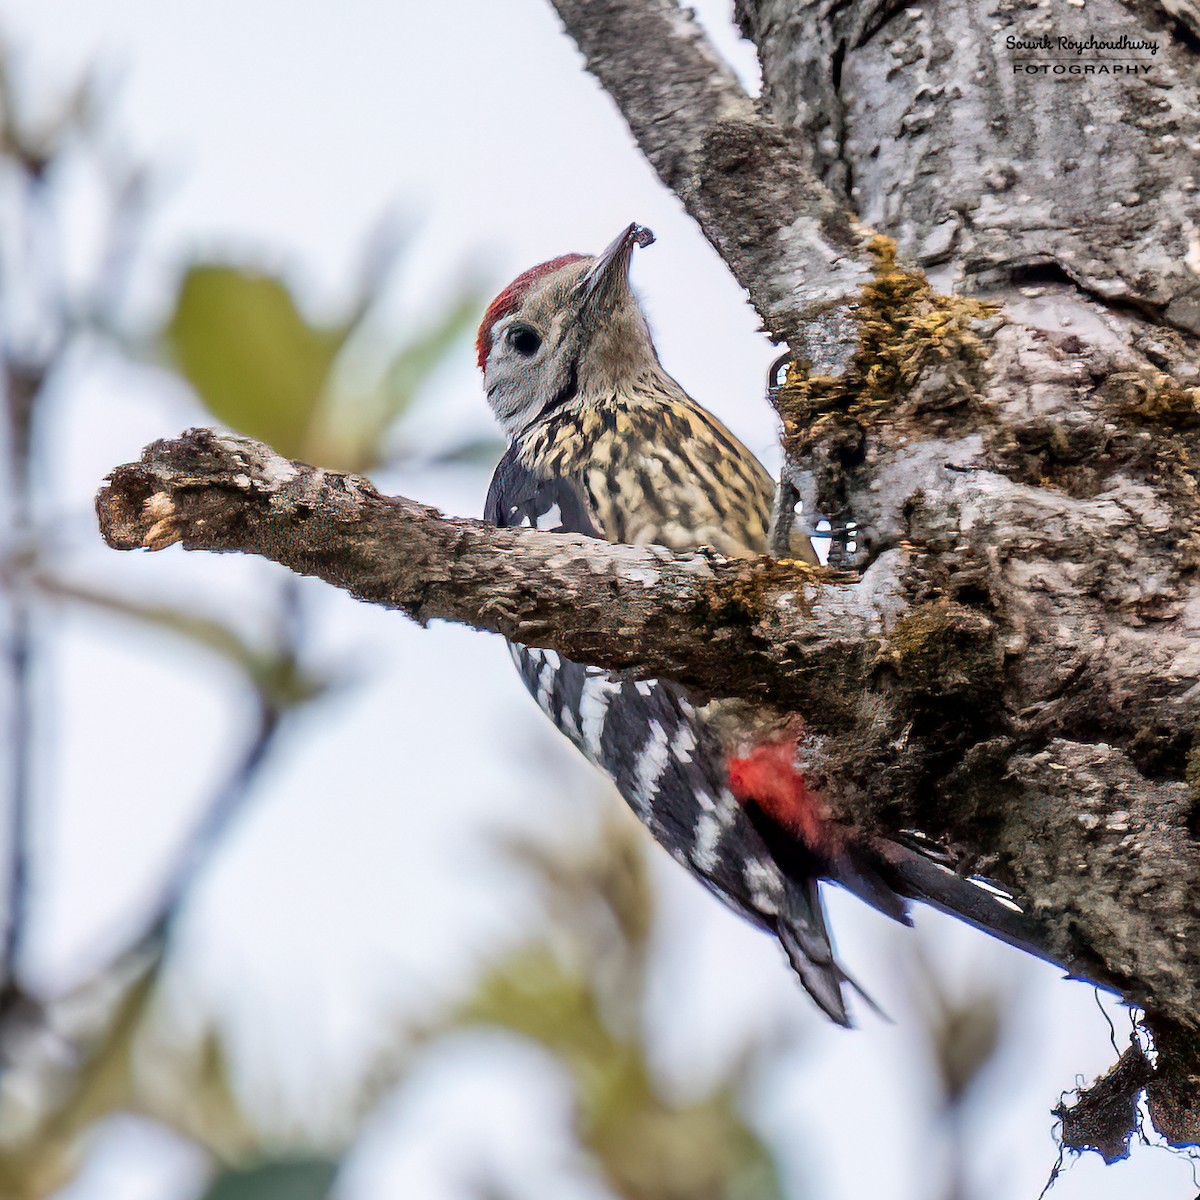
283 1179
261 367
258 365
351 430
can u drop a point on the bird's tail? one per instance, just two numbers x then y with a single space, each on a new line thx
888 876
802 931
902 873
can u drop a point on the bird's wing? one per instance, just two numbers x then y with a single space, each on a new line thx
647 736
517 497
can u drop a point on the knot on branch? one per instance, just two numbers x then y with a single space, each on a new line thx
1105 1117
146 504
206 489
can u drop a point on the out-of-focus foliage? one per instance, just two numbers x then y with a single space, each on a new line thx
580 992
260 366
67 1061
283 1179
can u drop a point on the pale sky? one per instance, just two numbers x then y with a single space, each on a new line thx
346 896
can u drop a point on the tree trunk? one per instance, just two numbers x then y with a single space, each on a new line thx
1036 467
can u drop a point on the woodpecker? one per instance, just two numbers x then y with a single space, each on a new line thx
603 442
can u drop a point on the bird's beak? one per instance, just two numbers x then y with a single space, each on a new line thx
607 279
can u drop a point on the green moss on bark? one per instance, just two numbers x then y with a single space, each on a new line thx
910 338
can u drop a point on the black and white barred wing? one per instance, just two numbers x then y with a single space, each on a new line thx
667 764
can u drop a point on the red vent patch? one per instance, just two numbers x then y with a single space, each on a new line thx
767 777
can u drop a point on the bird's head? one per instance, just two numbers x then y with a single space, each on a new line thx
565 328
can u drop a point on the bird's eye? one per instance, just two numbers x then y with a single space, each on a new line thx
524 340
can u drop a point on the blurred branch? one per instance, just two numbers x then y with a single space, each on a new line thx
41 313
274 670
279 683
221 811
101 1075
20 737
22 388
23 376
34 1166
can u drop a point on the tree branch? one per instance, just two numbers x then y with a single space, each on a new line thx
788 240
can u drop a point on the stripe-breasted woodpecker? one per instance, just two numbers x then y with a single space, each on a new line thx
603 442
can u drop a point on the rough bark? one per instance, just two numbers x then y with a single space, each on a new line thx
1041 458
917 117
